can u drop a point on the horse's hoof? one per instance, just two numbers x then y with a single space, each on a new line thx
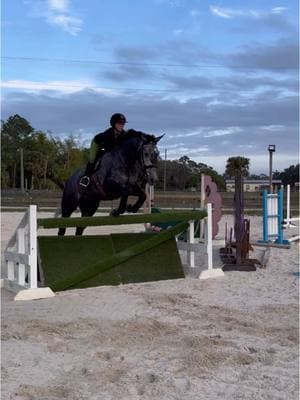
131 209
114 213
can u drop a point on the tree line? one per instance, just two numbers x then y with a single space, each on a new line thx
48 161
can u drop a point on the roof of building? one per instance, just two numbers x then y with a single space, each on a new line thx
256 181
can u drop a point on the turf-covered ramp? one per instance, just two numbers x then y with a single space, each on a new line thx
83 261
64 258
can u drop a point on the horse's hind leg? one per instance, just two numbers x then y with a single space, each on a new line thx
88 209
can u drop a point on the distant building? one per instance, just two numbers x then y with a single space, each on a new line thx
254 185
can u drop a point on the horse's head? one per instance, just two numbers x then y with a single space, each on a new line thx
149 157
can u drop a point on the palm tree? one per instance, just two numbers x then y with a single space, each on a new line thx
239 168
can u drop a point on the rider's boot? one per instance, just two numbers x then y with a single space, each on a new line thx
85 179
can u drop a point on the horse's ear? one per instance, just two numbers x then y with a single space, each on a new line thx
157 139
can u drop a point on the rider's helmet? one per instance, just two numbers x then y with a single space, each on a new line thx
115 118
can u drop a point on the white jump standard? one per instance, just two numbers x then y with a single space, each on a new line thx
21 260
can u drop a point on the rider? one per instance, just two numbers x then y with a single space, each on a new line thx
106 141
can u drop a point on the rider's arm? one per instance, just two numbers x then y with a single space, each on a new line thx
99 143
94 149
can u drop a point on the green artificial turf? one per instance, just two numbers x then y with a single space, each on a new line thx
162 262
86 261
62 257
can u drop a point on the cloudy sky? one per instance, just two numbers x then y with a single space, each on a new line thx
219 78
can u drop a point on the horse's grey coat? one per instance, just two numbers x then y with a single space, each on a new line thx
123 172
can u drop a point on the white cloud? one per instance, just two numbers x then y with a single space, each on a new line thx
69 24
186 134
222 132
57 13
206 132
278 10
58 5
273 128
246 146
62 87
230 13
221 12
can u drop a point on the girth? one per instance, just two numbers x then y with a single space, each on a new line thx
97 184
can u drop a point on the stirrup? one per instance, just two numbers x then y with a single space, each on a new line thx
84 184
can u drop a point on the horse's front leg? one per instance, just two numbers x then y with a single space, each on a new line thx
88 209
122 205
140 201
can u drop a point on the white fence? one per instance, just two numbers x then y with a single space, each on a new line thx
191 246
21 256
21 260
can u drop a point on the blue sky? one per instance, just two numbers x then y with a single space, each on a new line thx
220 78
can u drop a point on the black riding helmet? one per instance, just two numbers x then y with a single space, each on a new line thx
115 118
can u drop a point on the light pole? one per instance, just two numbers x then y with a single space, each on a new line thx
271 149
22 170
165 170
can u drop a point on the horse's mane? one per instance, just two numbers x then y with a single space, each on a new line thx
129 144
125 155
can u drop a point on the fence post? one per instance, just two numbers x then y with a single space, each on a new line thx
265 217
209 236
191 240
280 217
288 205
21 250
33 245
210 272
10 270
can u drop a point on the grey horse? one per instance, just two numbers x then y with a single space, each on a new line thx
123 172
